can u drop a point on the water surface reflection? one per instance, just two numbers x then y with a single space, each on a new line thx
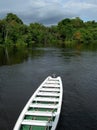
18 82
15 55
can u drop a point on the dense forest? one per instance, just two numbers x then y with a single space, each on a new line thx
68 32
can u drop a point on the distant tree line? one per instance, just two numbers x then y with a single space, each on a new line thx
68 32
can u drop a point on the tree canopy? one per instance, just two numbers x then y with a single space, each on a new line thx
67 32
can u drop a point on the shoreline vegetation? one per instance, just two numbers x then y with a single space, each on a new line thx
67 33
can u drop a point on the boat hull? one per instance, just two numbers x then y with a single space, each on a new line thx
43 109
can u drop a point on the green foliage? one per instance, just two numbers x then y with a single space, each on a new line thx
13 18
68 32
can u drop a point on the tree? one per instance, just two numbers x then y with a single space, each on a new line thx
77 22
13 17
13 27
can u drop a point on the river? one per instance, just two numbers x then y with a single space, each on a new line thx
21 72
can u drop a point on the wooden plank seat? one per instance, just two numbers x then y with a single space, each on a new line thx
45 99
50 89
52 82
53 94
40 105
36 123
51 85
41 113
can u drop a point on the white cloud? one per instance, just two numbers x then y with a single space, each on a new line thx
84 9
76 6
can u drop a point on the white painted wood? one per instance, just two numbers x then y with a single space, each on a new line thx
36 123
52 82
41 113
53 94
41 99
51 85
50 89
53 106
48 95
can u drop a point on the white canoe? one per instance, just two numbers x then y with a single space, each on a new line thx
43 109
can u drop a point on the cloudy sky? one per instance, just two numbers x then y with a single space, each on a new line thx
49 12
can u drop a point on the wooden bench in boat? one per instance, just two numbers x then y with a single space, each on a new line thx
36 123
44 99
40 113
52 82
37 105
50 89
53 94
51 85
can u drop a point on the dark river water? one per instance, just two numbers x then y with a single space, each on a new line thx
22 71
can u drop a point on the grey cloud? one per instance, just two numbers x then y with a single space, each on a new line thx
47 20
46 13
49 11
